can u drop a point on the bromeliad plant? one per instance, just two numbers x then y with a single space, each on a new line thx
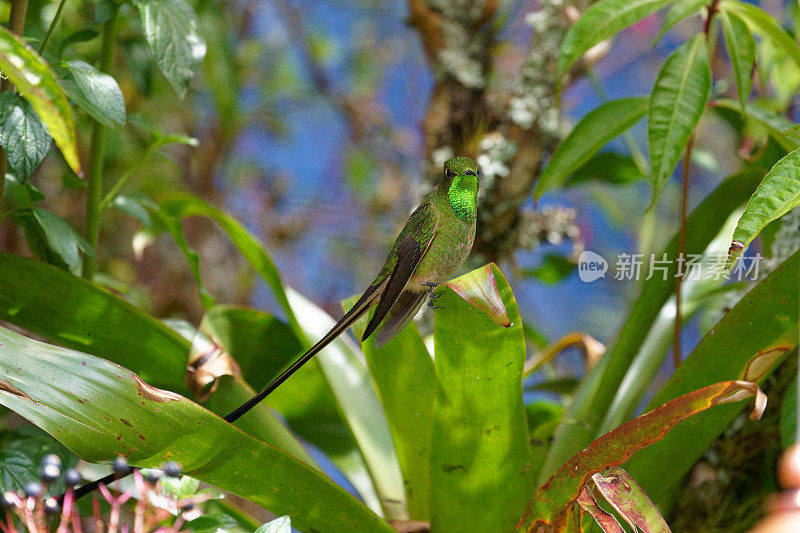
445 440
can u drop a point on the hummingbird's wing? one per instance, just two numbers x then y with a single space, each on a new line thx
414 241
400 315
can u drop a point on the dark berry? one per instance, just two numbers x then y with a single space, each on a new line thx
49 472
6 500
51 507
121 466
33 489
188 507
172 469
152 476
72 478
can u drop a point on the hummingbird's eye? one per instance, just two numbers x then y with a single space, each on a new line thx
450 173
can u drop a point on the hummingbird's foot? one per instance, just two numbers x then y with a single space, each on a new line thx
431 286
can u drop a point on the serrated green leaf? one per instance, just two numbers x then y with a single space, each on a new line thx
601 21
777 194
776 124
761 21
100 91
171 29
22 135
678 100
59 243
679 11
741 51
36 82
593 132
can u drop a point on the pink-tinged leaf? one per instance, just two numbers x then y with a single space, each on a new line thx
605 520
479 288
550 504
629 500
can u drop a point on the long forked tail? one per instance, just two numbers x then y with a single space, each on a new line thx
356 312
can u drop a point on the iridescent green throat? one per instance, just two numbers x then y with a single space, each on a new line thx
463 194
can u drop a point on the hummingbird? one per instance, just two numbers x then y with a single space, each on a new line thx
434 242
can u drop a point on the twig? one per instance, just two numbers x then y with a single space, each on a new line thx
687 167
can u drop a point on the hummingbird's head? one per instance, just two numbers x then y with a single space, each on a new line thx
461 166
460 179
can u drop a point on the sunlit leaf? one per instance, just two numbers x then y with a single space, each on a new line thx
480 439
102 97
36 82
171 30
777 194
678 100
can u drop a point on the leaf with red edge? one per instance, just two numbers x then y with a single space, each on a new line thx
479 288
550 504
629 500
605 520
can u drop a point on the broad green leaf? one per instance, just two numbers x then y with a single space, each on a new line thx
100 91
596 392
746 343
403 374
53 239
171 30
774 123
763 22
22 135
678 100
36 82
67 310
593 132
741 51
358 400
548 506
778 194
608 167
679 11
100 410
480 460
601 21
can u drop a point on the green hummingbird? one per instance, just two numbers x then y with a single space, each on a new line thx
434 242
